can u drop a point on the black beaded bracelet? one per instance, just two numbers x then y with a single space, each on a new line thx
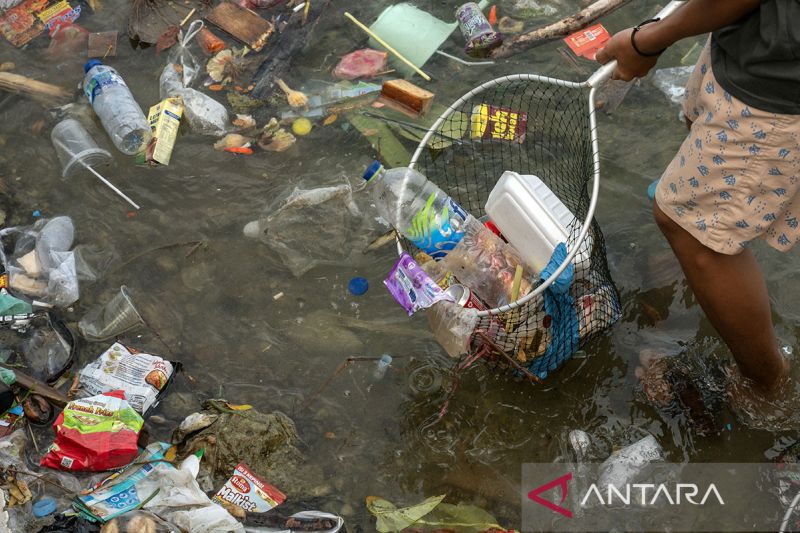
633 42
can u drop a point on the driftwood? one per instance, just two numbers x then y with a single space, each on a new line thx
284 47
562 28
43 92
42 389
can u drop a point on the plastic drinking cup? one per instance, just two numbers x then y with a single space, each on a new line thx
76 149
114 318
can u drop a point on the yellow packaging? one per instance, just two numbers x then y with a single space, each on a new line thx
165 118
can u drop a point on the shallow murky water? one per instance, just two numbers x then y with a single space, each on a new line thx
214 306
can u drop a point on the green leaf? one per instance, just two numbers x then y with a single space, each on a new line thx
392 519
462 518
392 151
453 127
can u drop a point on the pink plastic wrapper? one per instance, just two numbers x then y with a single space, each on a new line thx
361 64
412 287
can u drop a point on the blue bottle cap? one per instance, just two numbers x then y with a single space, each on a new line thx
91 64
372 169
358 286
45 506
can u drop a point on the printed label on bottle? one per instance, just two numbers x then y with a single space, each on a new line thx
101 80
433 232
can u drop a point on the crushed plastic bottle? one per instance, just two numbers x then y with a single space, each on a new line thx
116 108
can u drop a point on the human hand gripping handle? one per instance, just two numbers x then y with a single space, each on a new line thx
620 60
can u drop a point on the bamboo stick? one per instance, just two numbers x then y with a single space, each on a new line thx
386 45
44 92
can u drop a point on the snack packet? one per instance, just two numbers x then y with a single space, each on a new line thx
248 491
412 287
95 434
142 376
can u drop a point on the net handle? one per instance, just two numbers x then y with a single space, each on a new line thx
604 73
595 177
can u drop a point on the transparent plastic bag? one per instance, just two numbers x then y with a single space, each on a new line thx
204 114
180 54
484 263
311 227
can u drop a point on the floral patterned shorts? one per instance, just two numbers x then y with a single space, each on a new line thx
737 175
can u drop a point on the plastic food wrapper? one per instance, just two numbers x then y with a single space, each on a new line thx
170 493
361 64
483 262
96 433
248 491
42 267
411 286
142 376
301 246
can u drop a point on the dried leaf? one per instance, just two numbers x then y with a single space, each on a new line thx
216 65
238 407
171 453
330 119
167 39
216 87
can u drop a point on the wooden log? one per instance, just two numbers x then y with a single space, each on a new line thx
562 28
284 47
43 92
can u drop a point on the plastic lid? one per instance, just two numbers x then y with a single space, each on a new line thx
358 286
45 506
373 169
91 64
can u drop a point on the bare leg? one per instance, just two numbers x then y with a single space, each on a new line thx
732 292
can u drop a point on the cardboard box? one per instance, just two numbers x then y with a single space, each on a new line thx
165 118
407 97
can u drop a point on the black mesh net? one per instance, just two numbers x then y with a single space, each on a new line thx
531 127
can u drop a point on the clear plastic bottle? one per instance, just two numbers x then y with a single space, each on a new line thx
417 208
114 104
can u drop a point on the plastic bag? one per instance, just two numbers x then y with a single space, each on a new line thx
180 54
303 245
484 263
42 266
168 492
95 434
204 114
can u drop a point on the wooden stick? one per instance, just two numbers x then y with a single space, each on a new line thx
386 45
530 375
562 28
44 92
187 17
27 382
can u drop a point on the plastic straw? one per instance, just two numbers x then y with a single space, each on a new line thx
464 62
386 45
110 185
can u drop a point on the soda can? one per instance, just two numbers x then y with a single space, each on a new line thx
465 298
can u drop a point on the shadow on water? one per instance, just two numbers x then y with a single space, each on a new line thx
217 306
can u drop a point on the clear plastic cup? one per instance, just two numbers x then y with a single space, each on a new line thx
76 149
114 318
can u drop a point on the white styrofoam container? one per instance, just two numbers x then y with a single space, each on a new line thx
533 220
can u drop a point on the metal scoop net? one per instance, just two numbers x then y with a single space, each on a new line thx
546 127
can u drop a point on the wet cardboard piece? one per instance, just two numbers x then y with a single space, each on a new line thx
242 24
103 44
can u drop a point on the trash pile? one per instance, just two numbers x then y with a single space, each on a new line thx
224 75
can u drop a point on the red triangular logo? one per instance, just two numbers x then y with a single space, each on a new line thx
558 482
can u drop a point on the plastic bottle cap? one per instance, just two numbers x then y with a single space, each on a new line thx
91 64
45 506
358 286
372 169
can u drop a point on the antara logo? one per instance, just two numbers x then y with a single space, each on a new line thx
641 494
